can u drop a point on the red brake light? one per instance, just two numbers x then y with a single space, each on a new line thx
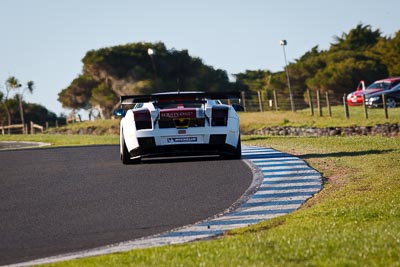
219 116
142 119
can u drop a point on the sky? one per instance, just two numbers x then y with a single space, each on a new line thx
45 40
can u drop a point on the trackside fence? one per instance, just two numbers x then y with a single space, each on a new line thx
319 103
21 128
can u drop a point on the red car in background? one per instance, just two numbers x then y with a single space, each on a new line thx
356 98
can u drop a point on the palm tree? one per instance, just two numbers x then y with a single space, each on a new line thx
29 87
11 83
1 101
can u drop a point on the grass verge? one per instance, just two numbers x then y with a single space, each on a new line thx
63 140
302 118
353 221
256 121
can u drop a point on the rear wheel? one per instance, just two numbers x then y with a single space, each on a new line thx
391 103
237 153
126 156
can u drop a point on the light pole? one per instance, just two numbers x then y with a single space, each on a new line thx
151 53
283 43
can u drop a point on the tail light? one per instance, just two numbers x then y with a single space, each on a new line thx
219 116
142 119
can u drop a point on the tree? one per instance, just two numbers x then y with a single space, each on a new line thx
41 115
103 99
1 104
29 87
254 82
339 69
343 70
387 50
11 84
128 69
77 94
359 39
12 106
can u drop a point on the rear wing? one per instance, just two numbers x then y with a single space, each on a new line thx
196 96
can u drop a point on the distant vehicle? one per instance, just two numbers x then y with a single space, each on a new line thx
392 97
178 123
356 98
352 97
238 107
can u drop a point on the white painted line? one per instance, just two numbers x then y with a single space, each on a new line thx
286 182
302 198
15 145
292 184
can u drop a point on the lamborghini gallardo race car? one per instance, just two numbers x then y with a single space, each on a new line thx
178 123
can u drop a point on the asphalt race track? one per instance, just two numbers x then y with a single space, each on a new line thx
60 200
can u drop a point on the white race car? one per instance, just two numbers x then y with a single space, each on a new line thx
178 123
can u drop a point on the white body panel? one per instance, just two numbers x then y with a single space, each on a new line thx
177 137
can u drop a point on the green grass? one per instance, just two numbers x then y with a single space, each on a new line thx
63 140
97 127
259 120
96 123
302 118
353 221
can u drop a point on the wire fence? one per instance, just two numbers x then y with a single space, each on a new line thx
318 104
30 128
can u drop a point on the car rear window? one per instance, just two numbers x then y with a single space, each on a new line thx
179 104
379 85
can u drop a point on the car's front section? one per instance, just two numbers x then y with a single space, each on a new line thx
374 101
180 124
356 98
392 98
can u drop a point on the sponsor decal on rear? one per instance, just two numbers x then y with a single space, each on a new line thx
173 114
187 139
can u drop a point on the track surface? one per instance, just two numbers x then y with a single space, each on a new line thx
61 200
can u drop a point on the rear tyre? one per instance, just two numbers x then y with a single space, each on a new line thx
126 156
237 153
391 103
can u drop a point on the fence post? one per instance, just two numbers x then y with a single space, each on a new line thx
328 104
32 128
385 106
2 128
259 101
319 107
346 107
244 100
365 107
275 100
263 101
311 103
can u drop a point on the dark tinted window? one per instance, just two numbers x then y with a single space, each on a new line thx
379 85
